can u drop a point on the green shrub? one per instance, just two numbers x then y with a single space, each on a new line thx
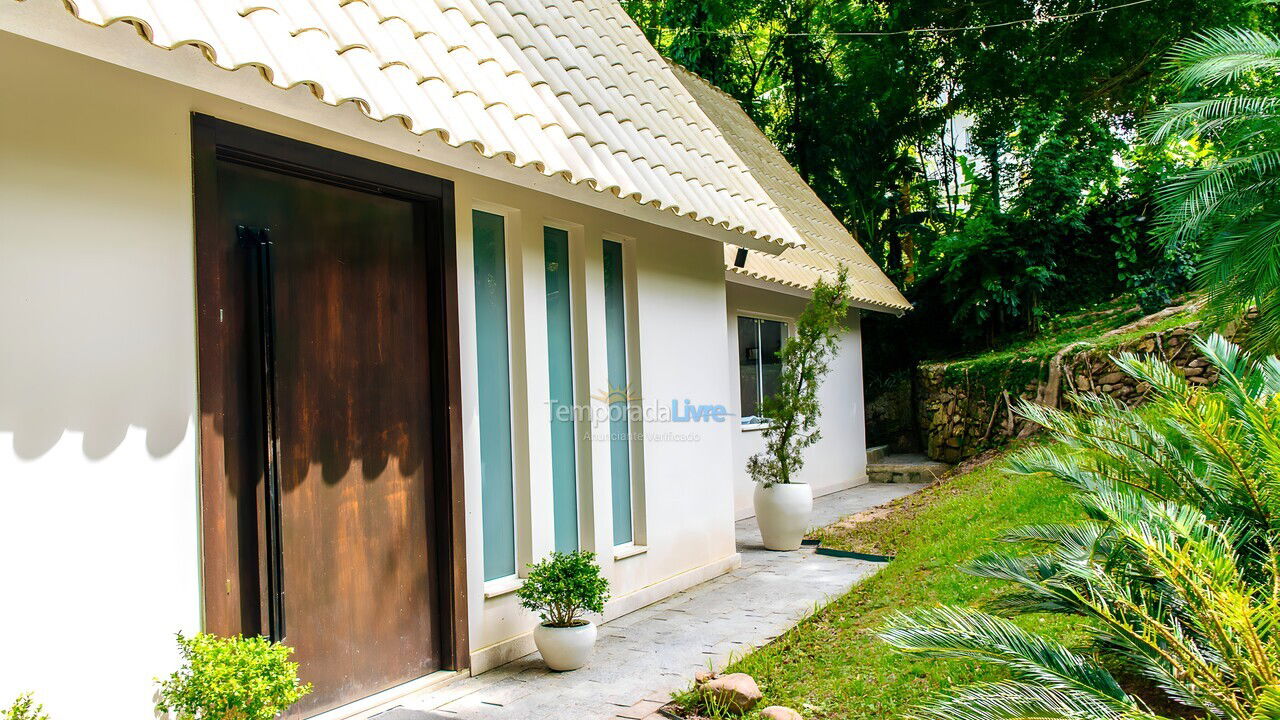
1177 568
25 708
563 587
231 678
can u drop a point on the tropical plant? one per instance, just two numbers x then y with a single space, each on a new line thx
1177 567
563 587
793 410
1231 203
231 678
26 708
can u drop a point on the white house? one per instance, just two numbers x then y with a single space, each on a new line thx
323 319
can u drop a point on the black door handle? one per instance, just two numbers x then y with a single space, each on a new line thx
257 241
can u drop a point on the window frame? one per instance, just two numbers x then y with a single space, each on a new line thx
510 218
788 327
572 232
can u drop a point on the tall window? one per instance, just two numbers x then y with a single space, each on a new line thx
564 474
497 495
615 314
759 363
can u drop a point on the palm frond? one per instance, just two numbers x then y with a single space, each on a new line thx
947 632
1019 701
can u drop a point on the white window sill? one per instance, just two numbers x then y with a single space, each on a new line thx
756 427
502 586
622 552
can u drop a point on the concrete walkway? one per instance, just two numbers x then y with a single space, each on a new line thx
643 656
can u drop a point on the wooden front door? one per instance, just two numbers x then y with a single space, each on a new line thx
336 342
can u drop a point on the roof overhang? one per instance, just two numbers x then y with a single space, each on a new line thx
49 22
738 278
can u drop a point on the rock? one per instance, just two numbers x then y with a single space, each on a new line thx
1112 378
778 712
702 676
1192 371
736 692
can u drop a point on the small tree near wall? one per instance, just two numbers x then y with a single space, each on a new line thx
806 358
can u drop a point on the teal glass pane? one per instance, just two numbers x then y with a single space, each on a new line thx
564 474
615 318
497 495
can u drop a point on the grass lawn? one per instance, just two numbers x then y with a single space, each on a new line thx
832 666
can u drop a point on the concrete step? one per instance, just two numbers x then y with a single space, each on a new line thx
904 469
877 453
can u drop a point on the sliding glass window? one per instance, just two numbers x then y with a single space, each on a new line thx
497 495
564 474
615 313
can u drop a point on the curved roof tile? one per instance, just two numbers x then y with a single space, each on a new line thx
570 88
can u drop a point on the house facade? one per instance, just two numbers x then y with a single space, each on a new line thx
322 321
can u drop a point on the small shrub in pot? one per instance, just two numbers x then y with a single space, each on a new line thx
783 503
562 589
25 708
231 678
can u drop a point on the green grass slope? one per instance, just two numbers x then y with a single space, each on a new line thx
832 666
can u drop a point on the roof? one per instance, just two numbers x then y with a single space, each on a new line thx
568 87
827 243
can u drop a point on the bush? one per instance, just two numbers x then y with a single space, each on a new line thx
1177 569
564 587
232 678
25 708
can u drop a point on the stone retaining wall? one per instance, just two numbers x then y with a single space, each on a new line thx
961 414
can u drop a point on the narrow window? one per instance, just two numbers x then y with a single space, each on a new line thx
497 495
759 363
564 474
615 313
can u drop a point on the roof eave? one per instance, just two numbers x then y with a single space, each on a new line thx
50 23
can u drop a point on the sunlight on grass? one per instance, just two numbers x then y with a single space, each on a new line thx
832 666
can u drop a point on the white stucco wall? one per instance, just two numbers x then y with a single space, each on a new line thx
839 459
99 494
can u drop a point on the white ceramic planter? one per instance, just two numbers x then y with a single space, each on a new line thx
783 513
565 648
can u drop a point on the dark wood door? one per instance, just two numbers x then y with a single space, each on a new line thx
347 364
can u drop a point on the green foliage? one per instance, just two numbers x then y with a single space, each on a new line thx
231 678
994 173
26 708
1230 203
793 411
563 587
1177 567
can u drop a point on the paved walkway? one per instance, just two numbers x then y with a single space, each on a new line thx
643 656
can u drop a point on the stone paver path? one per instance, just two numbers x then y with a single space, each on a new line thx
643 656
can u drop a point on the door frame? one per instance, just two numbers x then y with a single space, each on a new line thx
228 582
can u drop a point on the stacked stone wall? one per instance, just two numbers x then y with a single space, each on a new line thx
962 411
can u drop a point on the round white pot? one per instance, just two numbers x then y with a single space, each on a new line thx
783 513
565 648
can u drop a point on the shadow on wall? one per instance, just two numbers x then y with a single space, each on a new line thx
97 338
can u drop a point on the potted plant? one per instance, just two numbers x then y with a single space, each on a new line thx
231 678
783 504
561 589
25 708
